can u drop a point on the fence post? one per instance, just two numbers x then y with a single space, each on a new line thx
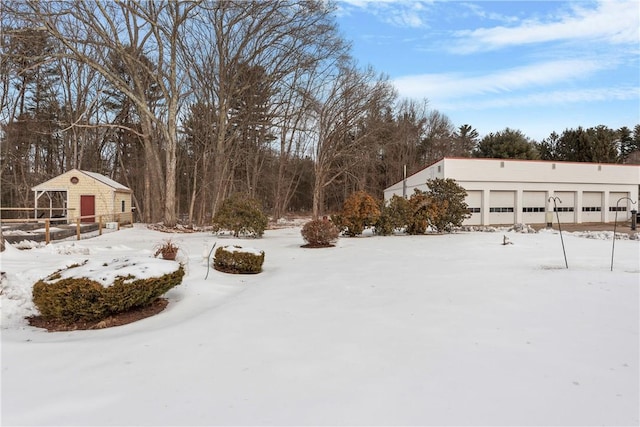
78 228
47 235
99 225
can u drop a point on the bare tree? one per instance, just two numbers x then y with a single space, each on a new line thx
131 30
286 39
339 111
438 138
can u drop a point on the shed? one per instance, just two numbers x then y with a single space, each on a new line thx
83 194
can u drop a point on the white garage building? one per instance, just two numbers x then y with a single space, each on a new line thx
501 191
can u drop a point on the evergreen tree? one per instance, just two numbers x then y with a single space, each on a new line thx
629 142
506 144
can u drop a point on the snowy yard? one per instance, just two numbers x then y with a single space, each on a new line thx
405 330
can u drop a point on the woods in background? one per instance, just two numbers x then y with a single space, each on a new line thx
188 102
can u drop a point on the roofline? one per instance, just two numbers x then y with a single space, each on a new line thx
533 161
510 160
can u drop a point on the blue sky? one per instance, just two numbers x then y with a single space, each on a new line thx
536 66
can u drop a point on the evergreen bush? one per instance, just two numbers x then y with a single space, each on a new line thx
450 196
320 233
394 215
238 260
73 299
359 211
241 215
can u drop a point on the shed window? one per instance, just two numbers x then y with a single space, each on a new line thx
123 204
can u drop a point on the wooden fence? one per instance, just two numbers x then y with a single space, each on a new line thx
114 221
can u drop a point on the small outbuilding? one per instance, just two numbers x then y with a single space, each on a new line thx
86 195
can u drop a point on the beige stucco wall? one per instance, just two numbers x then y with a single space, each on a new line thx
566 180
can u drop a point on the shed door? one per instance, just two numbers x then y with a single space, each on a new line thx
87 208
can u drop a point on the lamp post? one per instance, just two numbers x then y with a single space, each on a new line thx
555 208
615 225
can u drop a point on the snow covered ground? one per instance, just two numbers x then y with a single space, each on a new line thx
451 329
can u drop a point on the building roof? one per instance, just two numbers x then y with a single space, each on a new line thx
54 185
107 181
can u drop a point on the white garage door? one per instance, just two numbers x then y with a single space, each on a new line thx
591 206
614 205
566 206
502 207
533 207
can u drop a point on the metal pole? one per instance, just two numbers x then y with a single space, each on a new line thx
404 182
555 208
615 225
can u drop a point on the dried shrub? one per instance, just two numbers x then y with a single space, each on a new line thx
237 260
359 211
423 211
81 299
320 233
168 249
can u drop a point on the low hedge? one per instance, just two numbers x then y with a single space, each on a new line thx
235 259
73 299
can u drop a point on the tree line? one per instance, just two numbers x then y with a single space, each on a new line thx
188 102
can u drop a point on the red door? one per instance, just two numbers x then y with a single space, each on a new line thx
87 208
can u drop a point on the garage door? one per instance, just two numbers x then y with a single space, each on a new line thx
614 205
474 202
591 206
566 206
502 207
533 207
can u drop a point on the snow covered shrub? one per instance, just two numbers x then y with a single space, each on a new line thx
320 233
79 298
69 299
394 215
235 259
242 215
360 210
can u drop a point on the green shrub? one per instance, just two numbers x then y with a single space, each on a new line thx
320 232
448 194
125 294
360 210
242 215
393 216
235 259
72 299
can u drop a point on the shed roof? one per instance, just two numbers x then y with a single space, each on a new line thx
52 184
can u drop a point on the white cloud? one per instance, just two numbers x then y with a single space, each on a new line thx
547 98
478 11
614 22
399 13
457 85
